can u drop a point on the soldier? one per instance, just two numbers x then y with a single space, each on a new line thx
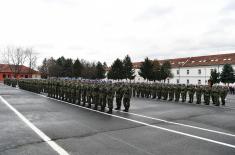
73 92
215 95
126 97
96 96
183 92
110 96
165 90
84 93
119 95
171 92
138 90
177 92
207 94
49 88
133 85
198 94
89 95
142 90
191 92
159 91
63 90
223 94
153 91
103 97
78 93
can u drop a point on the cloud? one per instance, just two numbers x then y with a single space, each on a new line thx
230 6
61 2
154 12
107 29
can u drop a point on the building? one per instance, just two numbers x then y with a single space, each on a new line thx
25 72
193 70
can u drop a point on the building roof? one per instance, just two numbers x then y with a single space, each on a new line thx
5 68
208 60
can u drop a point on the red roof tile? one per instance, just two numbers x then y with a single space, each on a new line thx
5 68
209 60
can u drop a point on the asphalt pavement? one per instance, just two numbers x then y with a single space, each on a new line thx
32 124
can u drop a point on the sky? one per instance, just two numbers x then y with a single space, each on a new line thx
103 30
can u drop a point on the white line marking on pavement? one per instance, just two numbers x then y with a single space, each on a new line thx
180 124
45 138
150 125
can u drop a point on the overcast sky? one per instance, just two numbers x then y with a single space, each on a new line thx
106 29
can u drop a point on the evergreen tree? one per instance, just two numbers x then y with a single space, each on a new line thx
116 70
156 71
128 68
100 71
146 69
53 68
60 66
227 74
77 68
89 71
214 78
43 69
68 68
165 71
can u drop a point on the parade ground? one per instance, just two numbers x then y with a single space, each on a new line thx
33 124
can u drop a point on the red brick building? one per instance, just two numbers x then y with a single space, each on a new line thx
25 72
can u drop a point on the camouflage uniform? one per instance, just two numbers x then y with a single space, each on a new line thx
191 92
223 94
110 96
183 93
126 98
119 95
207 94
198 94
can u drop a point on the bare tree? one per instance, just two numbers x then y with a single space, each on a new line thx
31 58
15 58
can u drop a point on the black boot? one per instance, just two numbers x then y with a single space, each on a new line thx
125 110
110 111
102 109
118 108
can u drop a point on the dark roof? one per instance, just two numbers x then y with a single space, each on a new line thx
5 68
209 60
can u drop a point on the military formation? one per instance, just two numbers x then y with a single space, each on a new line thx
84 93
179 92
102 94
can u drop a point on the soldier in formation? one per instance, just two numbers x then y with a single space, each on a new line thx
84 93
102 94
175 92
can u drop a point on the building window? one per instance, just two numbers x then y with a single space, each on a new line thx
187 72
199 71
26 76
21 75
178 72
187 81
199 82
9 76
4 76
177 81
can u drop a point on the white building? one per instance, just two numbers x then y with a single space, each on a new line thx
193 70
